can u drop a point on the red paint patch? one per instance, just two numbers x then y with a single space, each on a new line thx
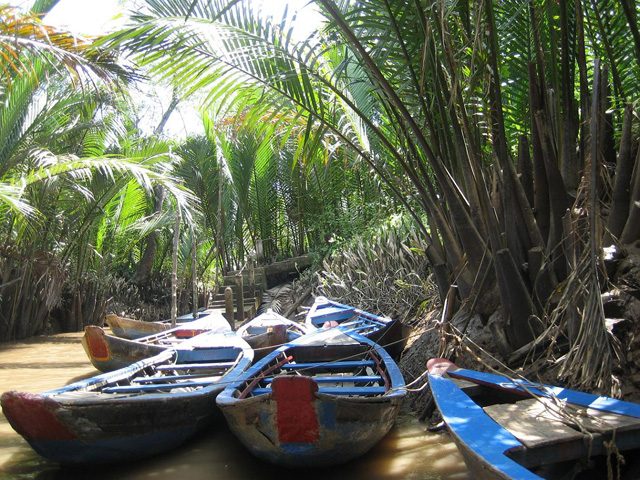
188 333
97 344
34 416
295 415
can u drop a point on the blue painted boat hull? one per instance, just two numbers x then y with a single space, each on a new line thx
386 332
348 428
286 414
496 452
147 408
112 450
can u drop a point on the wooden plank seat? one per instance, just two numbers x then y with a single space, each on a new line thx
329 365
540 427
337 379
166 378
195 366
154 387
335 390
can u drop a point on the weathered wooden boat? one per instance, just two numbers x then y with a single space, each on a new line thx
513 429
390 334
269 330
144 409
132 329
320 400
107 352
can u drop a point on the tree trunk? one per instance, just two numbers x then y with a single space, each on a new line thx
571 170
622 186
517 307
174 270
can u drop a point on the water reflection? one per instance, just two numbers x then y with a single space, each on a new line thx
408 452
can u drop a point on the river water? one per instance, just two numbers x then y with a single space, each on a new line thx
45 363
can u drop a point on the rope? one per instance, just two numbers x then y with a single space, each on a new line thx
551 403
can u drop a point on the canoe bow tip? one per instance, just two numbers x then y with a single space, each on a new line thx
440 366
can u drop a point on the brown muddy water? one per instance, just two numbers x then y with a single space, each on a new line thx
45 363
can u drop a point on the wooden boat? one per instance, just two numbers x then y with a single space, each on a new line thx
108 353
132 329
512 429
270 330
391 334
320 400
144 409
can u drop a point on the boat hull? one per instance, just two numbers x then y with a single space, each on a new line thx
133 329
389 334
98 432
346 428
511 428
321 400
147 408
108 353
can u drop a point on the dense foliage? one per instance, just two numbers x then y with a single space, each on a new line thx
506 129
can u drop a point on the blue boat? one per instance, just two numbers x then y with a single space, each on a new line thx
513 429
389 333
147 408
320 400
132 329
269 330
108 352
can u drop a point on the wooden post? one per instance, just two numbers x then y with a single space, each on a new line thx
174 270
194 265
252 277
228 307
260 251
240 299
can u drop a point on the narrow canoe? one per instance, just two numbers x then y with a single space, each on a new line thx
107 352
321 400
388 333
132 329
144 409
512 429
270 330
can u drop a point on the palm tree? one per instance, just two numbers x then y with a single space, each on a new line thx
58 186
466 114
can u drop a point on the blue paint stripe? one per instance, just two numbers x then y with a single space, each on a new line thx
476 429
589 400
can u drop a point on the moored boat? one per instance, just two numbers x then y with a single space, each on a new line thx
144 409
132 329
269 330
513 429
390 334
320 400
107 352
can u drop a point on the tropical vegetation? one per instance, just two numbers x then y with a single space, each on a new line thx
506 130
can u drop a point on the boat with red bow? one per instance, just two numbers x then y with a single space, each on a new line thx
320 400
147 408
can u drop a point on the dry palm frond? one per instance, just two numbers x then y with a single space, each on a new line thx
277 298
588 364
385 274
